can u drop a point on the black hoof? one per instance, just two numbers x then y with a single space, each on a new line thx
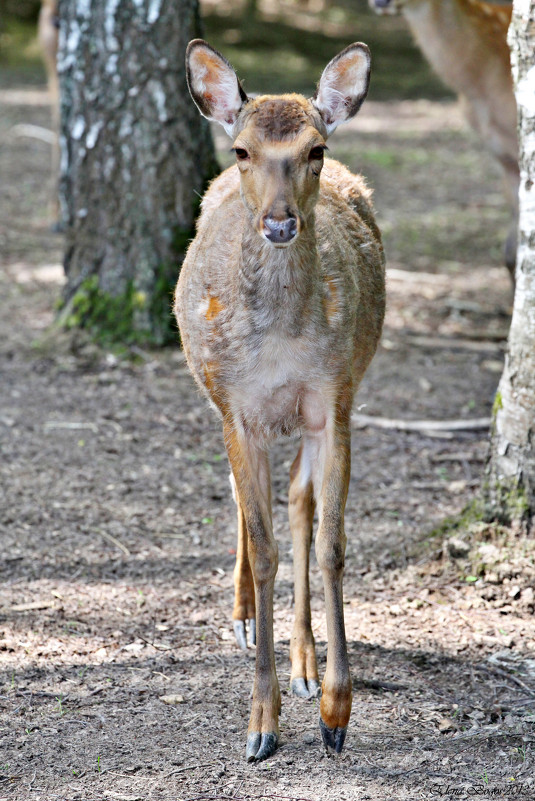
245 635
333 739
305 689
260 746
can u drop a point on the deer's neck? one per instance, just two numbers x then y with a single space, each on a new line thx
278 284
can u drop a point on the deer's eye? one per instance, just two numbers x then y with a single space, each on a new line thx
316 154
241 153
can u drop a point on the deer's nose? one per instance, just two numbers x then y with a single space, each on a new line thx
280 231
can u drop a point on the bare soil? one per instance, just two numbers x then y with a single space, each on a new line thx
117 527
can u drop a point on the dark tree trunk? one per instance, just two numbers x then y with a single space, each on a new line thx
511 470
136 156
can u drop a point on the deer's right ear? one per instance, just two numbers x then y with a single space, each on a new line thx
213 84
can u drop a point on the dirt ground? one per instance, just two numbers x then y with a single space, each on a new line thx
117 527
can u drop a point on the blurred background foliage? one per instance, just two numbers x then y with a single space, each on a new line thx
275 45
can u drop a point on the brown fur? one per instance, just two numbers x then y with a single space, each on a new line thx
279 118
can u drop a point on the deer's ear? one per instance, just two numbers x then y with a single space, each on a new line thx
343 85
213 84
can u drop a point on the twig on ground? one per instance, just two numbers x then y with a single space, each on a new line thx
453 343
364 420
40 694
68 425
132 776
191 721
485 734
190 767
246 797
506 675
157 673
33 131
154 645
113 540
34 606
375 684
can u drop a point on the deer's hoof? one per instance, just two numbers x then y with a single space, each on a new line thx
260 746
305 688
245 633
333 739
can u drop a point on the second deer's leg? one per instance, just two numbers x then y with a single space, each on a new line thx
304 680
250 467
244 598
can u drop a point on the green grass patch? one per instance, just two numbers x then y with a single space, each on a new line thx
472 513
128 318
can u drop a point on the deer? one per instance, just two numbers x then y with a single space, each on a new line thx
465 41
280 304
47 34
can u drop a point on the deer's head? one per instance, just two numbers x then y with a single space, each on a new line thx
279 140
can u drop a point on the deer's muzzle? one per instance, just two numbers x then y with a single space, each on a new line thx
280 232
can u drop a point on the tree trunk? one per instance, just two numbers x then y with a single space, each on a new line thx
511 470
136 156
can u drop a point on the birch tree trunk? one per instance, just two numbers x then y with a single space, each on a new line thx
136 155
511 468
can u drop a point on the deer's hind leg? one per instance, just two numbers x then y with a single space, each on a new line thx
244 595
304 680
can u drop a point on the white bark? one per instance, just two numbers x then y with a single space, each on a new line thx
512 463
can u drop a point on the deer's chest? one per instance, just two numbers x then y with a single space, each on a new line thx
270 396
261 363
266 382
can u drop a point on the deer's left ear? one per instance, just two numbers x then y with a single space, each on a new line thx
343 85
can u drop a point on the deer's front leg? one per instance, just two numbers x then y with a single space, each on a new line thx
250 468
329 457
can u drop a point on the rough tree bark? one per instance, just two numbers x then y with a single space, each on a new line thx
136 156
511 471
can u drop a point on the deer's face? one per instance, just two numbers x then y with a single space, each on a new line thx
279 153
279 140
